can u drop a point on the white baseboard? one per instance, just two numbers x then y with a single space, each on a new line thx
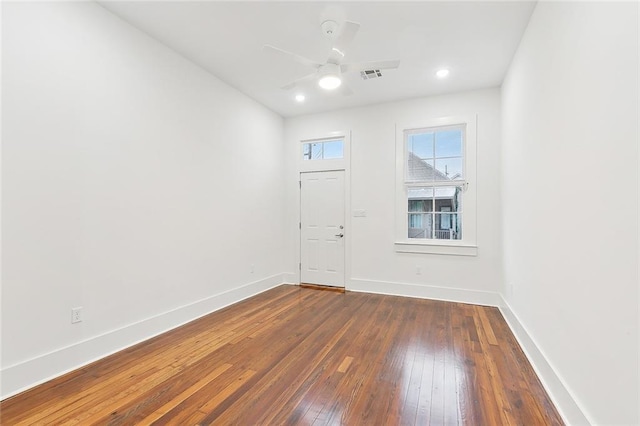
476 297
559 393
24 375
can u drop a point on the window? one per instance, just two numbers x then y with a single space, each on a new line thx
435 182
323 150
436 195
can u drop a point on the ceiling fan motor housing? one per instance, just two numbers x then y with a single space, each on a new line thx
329 69
330 28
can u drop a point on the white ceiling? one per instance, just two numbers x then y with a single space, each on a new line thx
475 40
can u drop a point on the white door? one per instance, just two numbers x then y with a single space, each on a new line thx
322 228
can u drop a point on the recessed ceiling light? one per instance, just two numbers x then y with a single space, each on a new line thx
300 97
442 73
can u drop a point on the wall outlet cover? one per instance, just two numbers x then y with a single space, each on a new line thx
76 315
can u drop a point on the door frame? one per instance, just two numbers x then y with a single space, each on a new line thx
327 166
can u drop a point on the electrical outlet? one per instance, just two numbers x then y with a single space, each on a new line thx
252 268
76 315
418 270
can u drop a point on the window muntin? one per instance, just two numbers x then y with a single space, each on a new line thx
434 182
323 150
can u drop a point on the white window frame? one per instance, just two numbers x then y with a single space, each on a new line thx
322 142
314 165
467 246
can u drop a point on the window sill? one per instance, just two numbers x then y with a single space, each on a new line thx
453 249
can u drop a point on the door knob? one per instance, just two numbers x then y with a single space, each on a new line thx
340 235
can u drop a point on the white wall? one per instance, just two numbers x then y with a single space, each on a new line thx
121 160
375 266
570 168
134 184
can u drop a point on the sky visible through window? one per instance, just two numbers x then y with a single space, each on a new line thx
441 150
324 150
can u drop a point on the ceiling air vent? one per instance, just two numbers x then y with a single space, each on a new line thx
369 74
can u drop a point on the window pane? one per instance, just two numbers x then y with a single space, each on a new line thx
421 145
316 150
447 226
424 193
324 150
306 151
419 170
415 221
420 225
415 206
420 205
333 149
448 198
448 169
449 143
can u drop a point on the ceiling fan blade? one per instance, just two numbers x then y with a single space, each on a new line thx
345 89
300 59
374 65
299 81
347 33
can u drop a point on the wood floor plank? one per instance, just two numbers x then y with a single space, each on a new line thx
293 355
357 343
170 405
305 359
342 368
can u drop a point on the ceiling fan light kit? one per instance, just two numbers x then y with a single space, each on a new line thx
442 73
329 76
329 82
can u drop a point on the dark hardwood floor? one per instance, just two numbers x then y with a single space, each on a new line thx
301 356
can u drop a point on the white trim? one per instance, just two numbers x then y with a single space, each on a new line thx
448 294
26 374
558 391
436 247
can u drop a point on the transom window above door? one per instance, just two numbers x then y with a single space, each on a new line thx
323 150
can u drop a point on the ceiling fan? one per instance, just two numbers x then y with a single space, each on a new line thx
329 74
